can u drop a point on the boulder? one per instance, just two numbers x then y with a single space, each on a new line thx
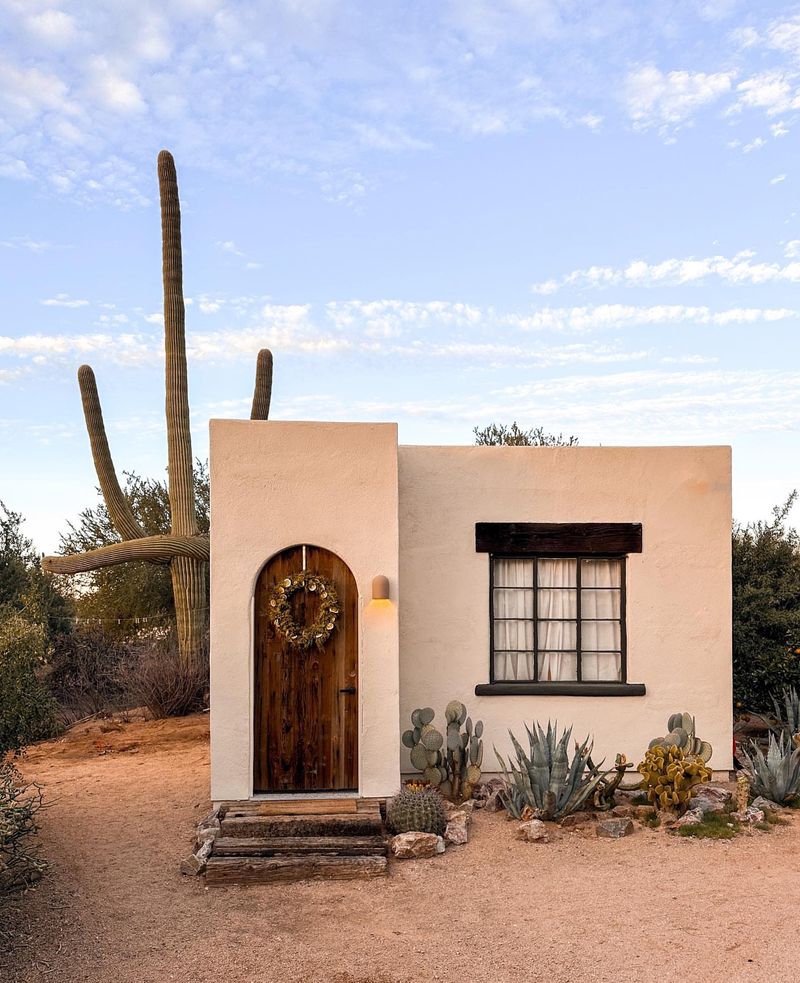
621 811
644 812
413 846
761 803
534 831
577 819
704 804
615 829
750 816
691 818
450 809
456 830
709 791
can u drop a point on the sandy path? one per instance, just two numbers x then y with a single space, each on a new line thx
114 909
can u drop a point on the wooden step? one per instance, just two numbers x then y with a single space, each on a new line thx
299 807
224 871
351 824
270 846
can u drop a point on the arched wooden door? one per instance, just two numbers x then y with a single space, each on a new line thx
306 702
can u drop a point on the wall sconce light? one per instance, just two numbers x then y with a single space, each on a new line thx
380 588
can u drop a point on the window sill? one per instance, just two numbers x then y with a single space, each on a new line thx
560 689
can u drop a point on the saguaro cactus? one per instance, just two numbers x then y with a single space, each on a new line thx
184 549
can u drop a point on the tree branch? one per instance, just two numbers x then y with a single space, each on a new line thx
118 505
150 549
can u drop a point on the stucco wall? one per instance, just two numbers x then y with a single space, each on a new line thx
678 588
274 485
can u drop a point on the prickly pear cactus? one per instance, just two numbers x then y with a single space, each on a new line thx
416 808
451 761
670 776
681 734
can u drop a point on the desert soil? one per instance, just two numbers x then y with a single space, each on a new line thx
123 803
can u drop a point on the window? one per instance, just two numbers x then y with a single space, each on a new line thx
558 619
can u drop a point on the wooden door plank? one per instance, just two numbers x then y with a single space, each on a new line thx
292 807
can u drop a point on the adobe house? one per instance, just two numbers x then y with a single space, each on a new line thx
587 584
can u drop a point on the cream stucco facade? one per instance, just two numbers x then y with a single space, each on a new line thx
409 513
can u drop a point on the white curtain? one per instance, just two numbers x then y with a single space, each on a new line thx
513 599
601 640
557 640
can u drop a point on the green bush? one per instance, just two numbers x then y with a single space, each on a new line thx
27 710
766 610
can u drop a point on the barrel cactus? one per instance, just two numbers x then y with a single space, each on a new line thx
452 761
416 808
670 775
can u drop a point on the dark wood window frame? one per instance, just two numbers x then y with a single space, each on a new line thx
579 541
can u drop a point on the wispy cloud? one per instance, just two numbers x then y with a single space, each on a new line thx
64 300
655 98
738 269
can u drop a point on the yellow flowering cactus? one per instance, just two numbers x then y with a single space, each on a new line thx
669 776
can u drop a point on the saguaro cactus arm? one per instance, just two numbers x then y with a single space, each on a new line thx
150 549
179 440
117 504
262 393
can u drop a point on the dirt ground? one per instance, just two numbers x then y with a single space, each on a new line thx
114 908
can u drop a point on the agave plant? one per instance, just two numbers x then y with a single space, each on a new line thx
546 780
775 775
787 713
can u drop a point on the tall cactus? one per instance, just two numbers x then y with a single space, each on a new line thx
184 548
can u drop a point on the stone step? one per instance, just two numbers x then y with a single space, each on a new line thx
224 871
353 824
270 846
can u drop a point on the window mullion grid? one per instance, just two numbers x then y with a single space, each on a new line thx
578 625
536 620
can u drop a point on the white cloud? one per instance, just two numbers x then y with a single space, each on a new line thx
55 27
64 300
30 244
738 269
619 316
654 97
775 92
792 249
778 179
112 90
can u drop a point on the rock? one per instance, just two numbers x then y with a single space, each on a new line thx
709 791
621 812
413 846
666 818
450 809
761 803
489 795
456 831
750 816
704 804
577 819
691 818
615 829
644 812
196 863
534 831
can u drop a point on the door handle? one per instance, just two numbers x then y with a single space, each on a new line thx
348 689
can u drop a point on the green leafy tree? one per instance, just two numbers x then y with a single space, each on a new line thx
502 435
133 596
766 609
27 710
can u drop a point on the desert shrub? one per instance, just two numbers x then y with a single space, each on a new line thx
27 710
766 610
19 804
157 678
87 671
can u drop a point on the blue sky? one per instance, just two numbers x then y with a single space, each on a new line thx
580 215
